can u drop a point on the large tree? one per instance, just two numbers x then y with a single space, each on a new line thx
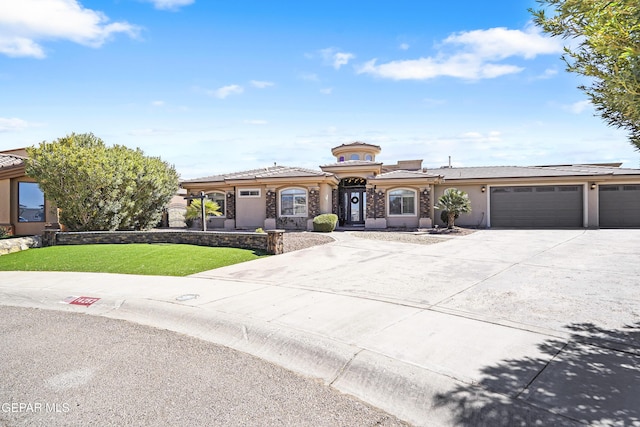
606 49
97 187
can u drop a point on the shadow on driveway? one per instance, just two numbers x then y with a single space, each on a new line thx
594 378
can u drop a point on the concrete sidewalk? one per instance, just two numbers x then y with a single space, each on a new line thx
494 328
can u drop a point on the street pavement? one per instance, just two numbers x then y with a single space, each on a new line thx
495 328
69 369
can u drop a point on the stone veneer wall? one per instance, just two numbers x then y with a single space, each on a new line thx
380 204
271 204
425 210
17 244
314 203
231 206
334 201
270 242
371 203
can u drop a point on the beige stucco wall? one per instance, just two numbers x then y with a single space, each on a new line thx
399 221
592 213
250 211
479 205
5 198
325 198
29 228
406 221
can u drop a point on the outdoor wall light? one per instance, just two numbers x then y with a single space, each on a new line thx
593 186
483 189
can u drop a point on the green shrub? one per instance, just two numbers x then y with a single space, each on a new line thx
325 223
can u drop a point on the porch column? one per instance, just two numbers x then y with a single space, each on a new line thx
230 221
376 208
425 220
271 209
313 205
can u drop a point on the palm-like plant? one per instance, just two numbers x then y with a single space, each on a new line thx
195 208
455 202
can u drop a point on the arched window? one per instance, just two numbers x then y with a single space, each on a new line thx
219 198
293 202
355 157
341 159
402 202
368 157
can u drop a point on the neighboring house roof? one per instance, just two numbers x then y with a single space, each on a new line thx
492 172
262 173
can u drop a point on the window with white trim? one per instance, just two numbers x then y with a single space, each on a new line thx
293 202
220 199
402 202
250 192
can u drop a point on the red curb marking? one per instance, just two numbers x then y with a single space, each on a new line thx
86 301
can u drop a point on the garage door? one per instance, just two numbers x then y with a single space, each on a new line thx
537 206
619 205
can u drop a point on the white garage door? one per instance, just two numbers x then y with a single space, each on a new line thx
619 205
545 206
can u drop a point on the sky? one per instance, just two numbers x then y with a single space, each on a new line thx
215 86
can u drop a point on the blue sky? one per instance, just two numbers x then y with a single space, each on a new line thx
218 86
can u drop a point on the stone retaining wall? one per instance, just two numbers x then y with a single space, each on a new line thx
271 242
17 244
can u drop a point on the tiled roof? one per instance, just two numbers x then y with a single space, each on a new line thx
357 144
10 160
404 174
489 172
353 163
262 173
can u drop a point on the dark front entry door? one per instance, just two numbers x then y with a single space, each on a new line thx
355 205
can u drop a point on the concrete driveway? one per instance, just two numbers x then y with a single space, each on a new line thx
500 327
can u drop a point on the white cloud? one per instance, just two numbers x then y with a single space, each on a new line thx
261 84
334 58
460 66
500 43
158 103
578 107
312 77
256 122
404 46
476 55
225 91
24 23
548 73
12 124
326 91
170 4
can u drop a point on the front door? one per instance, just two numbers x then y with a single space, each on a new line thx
355 205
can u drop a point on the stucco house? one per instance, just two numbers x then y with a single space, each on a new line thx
23 207
366 193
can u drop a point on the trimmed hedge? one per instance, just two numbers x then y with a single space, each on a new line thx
325 223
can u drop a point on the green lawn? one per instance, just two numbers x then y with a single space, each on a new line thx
155 259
